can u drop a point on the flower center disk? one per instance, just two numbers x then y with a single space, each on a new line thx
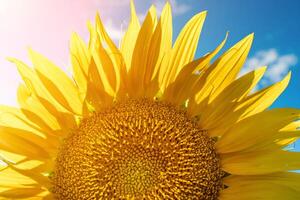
139 149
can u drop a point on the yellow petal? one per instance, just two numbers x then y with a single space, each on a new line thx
95 86
250 105
256 129
140 54
80 58
130 37
35 112
183 51
288 179
110 55
50 125
184 85
241 87
20 136
35 175
213 114
279 140
105 70
57 83
8 157
66 120
258 190
224 70
34 84
284 185
28 171
263 99
10 178
13 117
22 193
260 162
161 43
104 37
96 95
48 196
24 143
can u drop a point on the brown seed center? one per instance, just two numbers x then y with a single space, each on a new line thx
139 149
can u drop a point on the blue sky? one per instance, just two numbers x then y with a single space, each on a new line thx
276 26
274 22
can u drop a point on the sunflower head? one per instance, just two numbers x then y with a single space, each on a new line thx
147 120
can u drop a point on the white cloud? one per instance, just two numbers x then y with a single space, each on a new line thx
114 31
142 16
177 8
278 65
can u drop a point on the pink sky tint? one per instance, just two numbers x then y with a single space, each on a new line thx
46 26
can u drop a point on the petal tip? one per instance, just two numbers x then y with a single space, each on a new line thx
11 59
201 15
262 69
250 36
288 76
167 6
132 8
204 13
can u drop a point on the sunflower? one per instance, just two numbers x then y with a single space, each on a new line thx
147 121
